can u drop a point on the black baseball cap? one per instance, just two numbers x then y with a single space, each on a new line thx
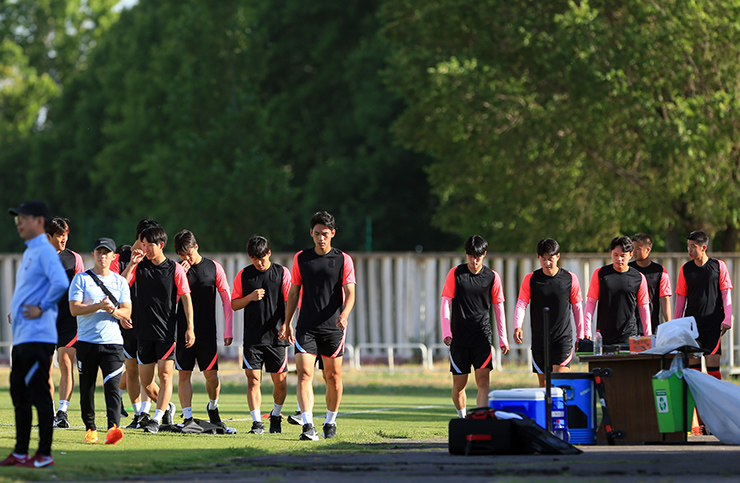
105 243
33 208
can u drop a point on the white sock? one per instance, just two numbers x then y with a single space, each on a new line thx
63 406
307 418
256 416
213 404
299 406
187 413
461 412
137 408
331 417
146 406
276 409
158 416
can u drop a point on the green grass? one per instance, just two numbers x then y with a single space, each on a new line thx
382 407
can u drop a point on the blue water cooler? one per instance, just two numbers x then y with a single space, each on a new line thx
580 400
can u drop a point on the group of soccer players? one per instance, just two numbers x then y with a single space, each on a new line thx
626 296
137 312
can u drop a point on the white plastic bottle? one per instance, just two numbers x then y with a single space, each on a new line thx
598 344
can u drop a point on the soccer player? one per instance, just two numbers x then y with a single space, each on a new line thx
261 289
206 278
324 278
659 284
559 290
469 292
621 292
40 282
101 300
704 291
158 282
57 230
140 401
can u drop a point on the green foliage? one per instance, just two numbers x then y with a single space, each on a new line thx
578 120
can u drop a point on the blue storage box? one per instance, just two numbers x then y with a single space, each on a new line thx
531 403
580 400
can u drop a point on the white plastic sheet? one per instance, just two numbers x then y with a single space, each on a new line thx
716 403
674 334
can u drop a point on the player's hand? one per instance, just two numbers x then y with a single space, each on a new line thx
137 256
185 265
504 349
257 295
189 338
724 328
126 324
342 322
228 341
31 311
9 319
107 305
447 340
518 333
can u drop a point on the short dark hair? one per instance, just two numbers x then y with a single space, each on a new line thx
184 241
476 246
643 238
154 234
622 241
57 225
143 225
548 246
699 237
258 246
322 218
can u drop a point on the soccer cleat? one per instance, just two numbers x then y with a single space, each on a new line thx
169 414
124 413
134 422
152 426
330 430
213 415
144 419
115 434
309 433
257 428
276 424
295 419
91 436
13 460
61 421
37 461
189 422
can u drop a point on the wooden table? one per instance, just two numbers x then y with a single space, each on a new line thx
630 398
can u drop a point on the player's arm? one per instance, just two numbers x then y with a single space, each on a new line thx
286 331
521 308
349 303
725 286
136 256
445 313
187 303
681 292
591 299
643 306
222 285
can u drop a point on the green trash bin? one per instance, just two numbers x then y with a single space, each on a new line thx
669 404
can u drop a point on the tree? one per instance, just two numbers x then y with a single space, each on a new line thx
328 112
579 120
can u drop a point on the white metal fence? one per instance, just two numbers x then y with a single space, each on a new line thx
396 313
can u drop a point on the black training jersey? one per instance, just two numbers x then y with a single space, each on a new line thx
619 294
557 293
473 295
659 285
157 288
702 287
72 263
206 280
263 318
321 278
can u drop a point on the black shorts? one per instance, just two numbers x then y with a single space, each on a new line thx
274 358
67 332
130 348
479 356
560 355
205 351
709 338
325 342
151 351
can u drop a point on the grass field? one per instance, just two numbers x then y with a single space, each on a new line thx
377 407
